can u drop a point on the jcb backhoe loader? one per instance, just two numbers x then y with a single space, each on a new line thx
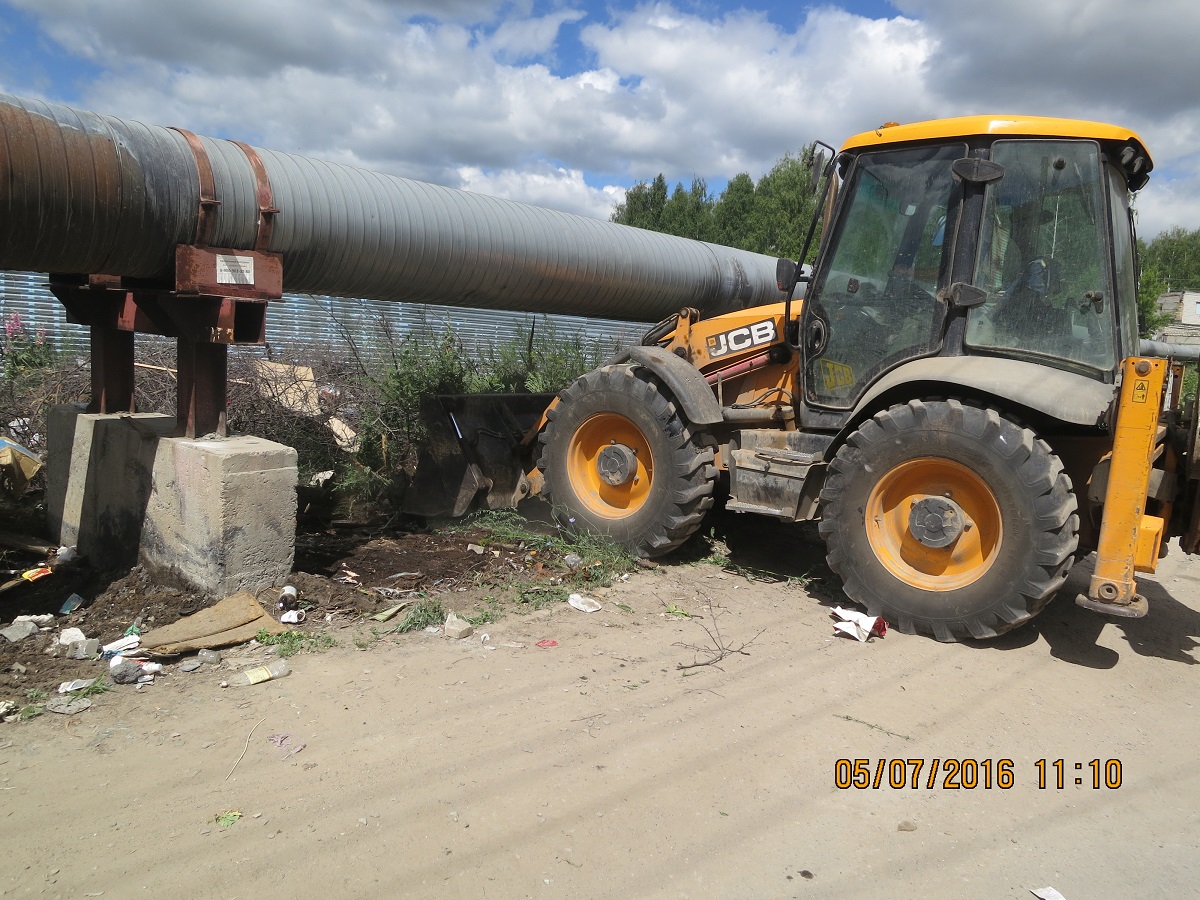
960 398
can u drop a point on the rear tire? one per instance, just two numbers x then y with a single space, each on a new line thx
1012 530
668 472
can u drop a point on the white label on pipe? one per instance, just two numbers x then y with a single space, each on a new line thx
235 269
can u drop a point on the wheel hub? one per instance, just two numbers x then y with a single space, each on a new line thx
936 521
616 464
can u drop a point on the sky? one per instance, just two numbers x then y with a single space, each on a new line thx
566 104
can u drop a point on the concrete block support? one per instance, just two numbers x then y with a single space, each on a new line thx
215 515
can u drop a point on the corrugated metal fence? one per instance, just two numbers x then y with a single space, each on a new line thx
303 322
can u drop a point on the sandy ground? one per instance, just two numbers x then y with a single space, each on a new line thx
597 768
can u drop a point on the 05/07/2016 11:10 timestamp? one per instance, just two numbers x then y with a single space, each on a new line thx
970 774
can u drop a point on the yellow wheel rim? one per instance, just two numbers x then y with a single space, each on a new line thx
948 568
606 500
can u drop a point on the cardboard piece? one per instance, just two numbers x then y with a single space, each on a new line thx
234 620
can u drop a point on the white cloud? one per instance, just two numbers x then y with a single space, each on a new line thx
553 188
533 37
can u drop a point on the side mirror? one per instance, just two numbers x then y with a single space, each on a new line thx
785 274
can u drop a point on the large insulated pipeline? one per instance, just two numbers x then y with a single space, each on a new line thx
91 194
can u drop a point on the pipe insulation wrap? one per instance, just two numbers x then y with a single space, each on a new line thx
91 194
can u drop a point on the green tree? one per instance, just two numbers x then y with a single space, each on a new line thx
1175 256
1151 285
643 205
772 216
689 212
733 213
784 203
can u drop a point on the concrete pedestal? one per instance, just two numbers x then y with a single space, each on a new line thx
216 515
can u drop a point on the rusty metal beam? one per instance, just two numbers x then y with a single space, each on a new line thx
201 390
112 371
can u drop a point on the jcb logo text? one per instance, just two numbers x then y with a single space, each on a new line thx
741 338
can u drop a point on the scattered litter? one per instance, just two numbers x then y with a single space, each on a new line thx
395 593
26 576
209 656
476 549
546 644
293 617
7 708
18 465
190 665
77 685
433 629
858 625
573 560
584 604
71 604
458 628
69 636
124 671
234 620
404 575
347 577
276 668
43 621
129 642
281 741
64 555
289 598
1047 893
18 631
68 706
385 614
89 648
484 637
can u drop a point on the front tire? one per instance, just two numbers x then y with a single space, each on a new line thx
619 460
949 520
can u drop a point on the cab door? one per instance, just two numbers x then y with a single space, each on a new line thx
874 303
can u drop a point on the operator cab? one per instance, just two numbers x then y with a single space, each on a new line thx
1008 238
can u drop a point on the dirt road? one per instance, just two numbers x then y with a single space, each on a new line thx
598 768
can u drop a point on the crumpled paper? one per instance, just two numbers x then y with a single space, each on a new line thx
858 625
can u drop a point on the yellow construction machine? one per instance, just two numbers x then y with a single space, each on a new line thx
958 394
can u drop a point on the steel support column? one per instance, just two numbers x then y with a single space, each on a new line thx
112 370
200 399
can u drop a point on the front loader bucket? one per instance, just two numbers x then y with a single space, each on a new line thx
475 455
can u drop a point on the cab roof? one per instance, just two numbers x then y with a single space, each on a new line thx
997 126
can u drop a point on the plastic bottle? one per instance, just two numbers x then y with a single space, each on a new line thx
209 656
276 668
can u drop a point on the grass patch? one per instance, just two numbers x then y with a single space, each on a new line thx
35 699
226 819
99 686
597 560
289 643
423 614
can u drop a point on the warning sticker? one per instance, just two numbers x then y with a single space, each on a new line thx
1141 390
235 269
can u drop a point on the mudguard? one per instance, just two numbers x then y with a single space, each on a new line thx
690 390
